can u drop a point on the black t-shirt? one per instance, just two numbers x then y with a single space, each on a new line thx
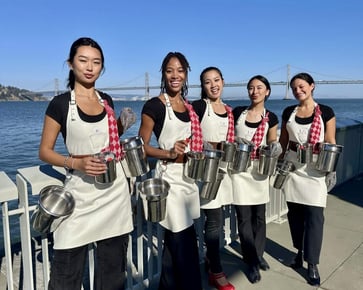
200 107
156 110
273 120
327 113
58 110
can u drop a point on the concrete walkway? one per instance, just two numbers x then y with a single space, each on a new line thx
341 261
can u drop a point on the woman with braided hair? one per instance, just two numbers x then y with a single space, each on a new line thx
306 188
256 124
172 120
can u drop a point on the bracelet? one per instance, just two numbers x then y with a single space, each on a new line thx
65 163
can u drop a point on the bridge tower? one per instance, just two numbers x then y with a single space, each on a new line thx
147 87
56 86
287 97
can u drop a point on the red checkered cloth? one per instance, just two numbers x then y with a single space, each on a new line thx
196 143
258 136
315 129
230 132
114 142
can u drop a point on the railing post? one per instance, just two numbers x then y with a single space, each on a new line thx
25 233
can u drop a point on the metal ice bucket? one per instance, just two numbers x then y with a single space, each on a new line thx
267 163
109 176
242 158
194 166
282 172
210 189
154 192
54 202
135 156
229 149
304 153
211 164
328 157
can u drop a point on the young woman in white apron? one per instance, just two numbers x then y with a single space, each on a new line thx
305 189
172 120
102 213
251 189
217 125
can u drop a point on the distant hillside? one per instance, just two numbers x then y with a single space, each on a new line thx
15 94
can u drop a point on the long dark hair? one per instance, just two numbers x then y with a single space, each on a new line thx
203 94
261 79
83 41
186 67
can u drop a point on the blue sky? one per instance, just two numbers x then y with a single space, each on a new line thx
241 37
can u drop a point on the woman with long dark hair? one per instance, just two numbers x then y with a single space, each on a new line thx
308 122
217 124
102 215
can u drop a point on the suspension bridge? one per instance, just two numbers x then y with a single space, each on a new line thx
147 87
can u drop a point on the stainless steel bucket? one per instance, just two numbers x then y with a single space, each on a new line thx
210 189
282 172
154 192
135 156
194 166
304 153
242 158
229 149
109 176
267 163
54 202
211 164
328 157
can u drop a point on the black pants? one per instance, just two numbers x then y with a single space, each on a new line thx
110 265
252 231
212 230
306 228
180 262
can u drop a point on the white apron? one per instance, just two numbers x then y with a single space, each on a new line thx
101 211
215 129
305 185
250 187
182 202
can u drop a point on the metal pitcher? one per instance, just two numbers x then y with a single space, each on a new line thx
109 176
328 157
194 166
135 156
211 164
267 163
242 158
154 192
304 153
54 202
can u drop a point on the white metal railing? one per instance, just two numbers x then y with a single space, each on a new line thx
144 252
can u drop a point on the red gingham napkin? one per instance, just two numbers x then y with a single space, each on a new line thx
196 143
230 132
114 142
258 136
315 129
